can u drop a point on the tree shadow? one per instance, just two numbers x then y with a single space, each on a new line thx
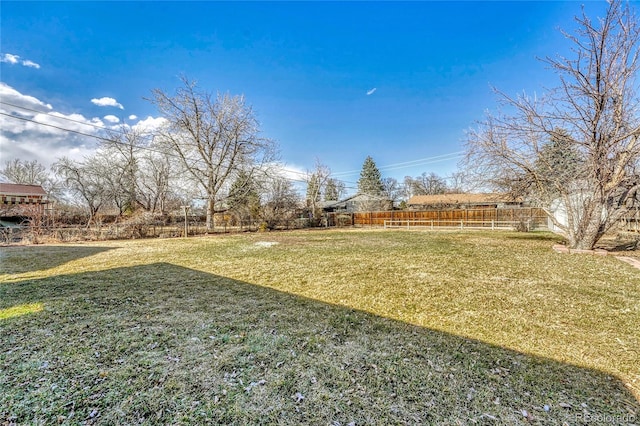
535 236
36 258
165 344
620 244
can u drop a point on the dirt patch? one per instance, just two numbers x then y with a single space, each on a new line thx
266 244
564 249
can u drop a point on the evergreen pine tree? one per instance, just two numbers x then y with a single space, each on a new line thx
370 181
331 191
559 163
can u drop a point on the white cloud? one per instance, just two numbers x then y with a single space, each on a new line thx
149 124
290 171
44 136
10 59
58 125
106 101
15 59
133 117
371 91
97 122
11 96
31 64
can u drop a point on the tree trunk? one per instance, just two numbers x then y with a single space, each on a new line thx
589 239
210 213
589 234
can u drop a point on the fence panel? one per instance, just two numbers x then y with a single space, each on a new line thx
530 217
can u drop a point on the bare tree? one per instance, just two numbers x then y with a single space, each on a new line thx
214 137
425 184
85 180
142 167
107 168
279 202
457 182
317 180
124 145
25 172
393 191
593 111
154 189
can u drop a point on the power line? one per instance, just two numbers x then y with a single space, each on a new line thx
412 163
394 166
77 132
104 139
426 160
51 114
55 127
424 163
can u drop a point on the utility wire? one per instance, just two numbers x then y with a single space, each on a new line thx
113 130
412 163
394 166
17 117
104 139
51 114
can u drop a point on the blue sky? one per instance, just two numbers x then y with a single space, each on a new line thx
330 81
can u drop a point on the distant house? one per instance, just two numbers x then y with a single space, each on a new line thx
461 201
12 194
358 203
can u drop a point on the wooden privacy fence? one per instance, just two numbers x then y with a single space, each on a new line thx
461 224
492 218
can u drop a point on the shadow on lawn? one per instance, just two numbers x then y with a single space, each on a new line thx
34 258
534 236
165 344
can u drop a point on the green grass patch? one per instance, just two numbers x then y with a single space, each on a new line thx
16 311
369 327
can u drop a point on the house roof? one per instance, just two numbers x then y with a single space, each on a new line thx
459 199
357 197
19 190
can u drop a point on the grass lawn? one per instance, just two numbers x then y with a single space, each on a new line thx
326 327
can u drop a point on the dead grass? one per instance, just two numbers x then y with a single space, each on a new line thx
363 327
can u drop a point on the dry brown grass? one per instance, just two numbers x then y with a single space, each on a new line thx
370 327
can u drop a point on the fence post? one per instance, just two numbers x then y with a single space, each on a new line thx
461 224
186 223
493 224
